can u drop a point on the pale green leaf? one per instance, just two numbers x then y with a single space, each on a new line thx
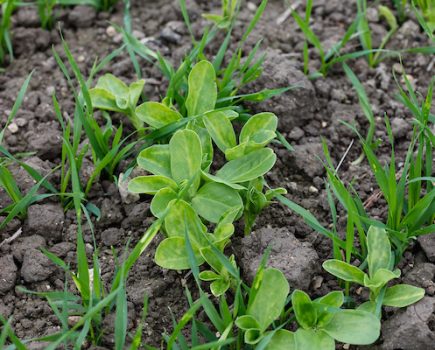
248 167
202 93
156 160
220 129
310 339
186 155
344 271
157 115
282 340
379 249
161 200
354 327
150 184
402 295
305 312
270 298
213 200
171 254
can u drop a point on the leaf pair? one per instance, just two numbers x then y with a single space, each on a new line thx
258 131
182 223
323 322
112 94
379 261
265 305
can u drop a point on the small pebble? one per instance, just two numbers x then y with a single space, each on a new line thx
111 31
312 189
13 128
293 186
21 122
251 6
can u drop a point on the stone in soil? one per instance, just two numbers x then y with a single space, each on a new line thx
297 260
305 159
24 244
427 243
36 266
8 273
46 220
295 107
409 328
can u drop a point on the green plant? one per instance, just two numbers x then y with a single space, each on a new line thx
89 309
7 7
365 107
374 55
112 94
45 12
427 7
332 56
380 263
106 143
229 10
266 302
323 322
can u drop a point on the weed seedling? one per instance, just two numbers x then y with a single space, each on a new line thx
380 262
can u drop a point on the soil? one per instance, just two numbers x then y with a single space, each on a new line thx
308 114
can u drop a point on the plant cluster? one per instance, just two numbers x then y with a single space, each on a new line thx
360 29
182 184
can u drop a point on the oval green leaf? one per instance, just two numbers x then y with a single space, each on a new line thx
258 124
282 340
270 298
150 184
220 129
171 254
354 327
161 200
379 249
202 93
213 200
248 167
344 271
156 160
304 310
402 295
157 115
186 155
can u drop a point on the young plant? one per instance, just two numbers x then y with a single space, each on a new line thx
266 302
90 308
380 262
427 7
332 56
7 7
112 94
322 322
229 10
374 55
365 107
45 12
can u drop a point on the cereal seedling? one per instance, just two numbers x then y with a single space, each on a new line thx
7 7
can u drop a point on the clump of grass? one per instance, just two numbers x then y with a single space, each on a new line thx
359 28
7 8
